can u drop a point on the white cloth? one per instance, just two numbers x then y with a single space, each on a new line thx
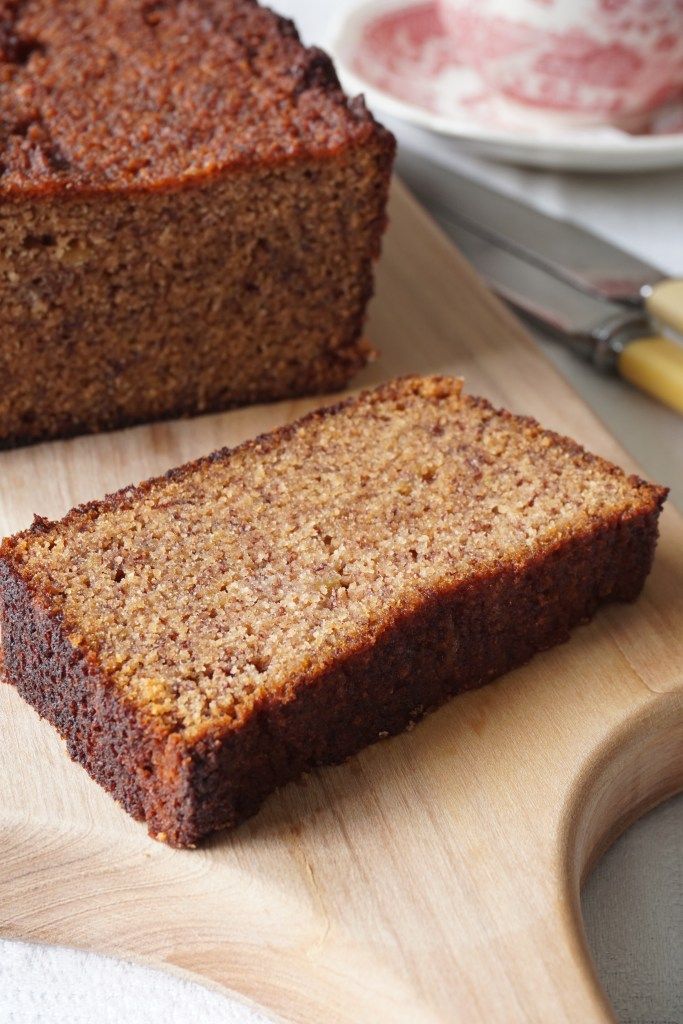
633 903
51 985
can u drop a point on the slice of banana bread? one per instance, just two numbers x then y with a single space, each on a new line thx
204 637
189 211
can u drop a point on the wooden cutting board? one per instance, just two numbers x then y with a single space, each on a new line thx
436 876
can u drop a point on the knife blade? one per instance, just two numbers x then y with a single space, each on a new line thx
596 330
560 248
613 337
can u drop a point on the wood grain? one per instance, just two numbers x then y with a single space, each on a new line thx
433 878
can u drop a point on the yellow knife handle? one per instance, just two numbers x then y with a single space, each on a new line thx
664 302
655 365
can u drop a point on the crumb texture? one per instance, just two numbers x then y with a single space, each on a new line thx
119 93
239 577
190 209
246 289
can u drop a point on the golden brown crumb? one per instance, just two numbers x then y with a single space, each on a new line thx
204 591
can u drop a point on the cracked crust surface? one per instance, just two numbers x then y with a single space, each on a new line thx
142 94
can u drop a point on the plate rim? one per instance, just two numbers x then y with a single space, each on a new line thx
344 34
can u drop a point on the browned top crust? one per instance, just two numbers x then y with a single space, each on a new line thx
141 94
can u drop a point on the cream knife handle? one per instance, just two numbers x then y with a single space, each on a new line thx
655 364
664 302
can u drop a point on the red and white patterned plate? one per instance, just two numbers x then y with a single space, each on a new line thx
398 54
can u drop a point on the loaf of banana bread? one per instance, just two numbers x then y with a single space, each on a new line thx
189 211
203 638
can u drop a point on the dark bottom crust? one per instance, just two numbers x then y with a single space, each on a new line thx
455 642
101 732
330 381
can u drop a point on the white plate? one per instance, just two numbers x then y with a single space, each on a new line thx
398 55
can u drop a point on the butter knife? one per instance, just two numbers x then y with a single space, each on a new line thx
562 249
612 337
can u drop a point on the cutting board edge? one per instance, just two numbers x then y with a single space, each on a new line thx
587 993
606 779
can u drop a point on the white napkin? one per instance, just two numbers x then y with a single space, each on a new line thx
49 985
